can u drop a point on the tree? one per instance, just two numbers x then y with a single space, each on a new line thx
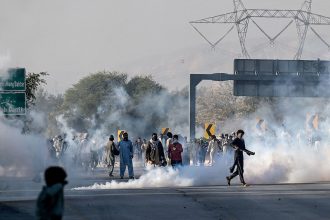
51 106
216 103
33 83
82 101
140 86
89 92
106 99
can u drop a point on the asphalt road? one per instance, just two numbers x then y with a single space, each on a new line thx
281 201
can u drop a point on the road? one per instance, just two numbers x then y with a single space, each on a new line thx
280 201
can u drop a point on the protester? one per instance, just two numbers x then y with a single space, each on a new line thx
110 149
174 152
167 144
126 155
50 202
239 145
155 152
144 147
212 148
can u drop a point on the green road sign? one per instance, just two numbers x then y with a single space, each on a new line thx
13 80
12 103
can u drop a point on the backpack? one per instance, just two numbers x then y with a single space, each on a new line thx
115 151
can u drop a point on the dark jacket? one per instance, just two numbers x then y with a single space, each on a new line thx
50 202
155 153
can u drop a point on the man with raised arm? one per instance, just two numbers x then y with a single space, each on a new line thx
239 145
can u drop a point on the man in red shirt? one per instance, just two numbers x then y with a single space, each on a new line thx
174 152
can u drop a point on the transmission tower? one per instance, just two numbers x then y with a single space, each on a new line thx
242 17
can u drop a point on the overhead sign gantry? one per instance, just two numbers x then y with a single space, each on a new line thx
269 78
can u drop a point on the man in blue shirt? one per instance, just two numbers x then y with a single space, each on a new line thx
126 155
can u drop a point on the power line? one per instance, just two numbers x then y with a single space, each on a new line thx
241 17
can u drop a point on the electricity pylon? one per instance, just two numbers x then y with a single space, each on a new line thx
241 17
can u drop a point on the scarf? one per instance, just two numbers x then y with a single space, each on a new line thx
154 144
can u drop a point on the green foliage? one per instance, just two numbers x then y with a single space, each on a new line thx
139 86
94 98
89 92
33 83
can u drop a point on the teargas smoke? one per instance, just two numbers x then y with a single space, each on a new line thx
292 145
20 155
290 141
147 114
289 149
168 177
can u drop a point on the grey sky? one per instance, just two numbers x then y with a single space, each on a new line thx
72 38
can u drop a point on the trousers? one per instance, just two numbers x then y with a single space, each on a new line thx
123 169
239 169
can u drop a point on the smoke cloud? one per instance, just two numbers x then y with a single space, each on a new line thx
21 154
168 177
290 148
291 145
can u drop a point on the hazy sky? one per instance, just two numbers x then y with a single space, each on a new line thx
72 38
